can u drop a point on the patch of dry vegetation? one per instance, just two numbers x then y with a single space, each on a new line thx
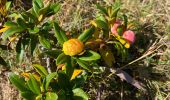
152 62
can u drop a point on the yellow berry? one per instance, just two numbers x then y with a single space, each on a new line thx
73 47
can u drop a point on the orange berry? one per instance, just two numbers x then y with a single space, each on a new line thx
73 47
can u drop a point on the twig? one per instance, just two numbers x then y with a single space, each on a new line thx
48 64
140 58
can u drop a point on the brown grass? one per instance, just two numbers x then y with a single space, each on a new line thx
153 20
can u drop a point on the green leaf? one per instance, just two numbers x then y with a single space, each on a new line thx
90 56
24 16
53 53
33 85
63 34
83 64
25 40
115 12
40 3
28 95
79 94
63 80
32 18
44 42
21 23
62 59
33 43
20 56
86 34
41 70
44 10
20 50
11 31
34 30
36 7
102 18
8 4
49 77
18 82
22 44
107 56
62 95
120 30
69 67
2 61
59 34
125 21
11 24
51 96
116 7
102 24
39 97
55 7
102 9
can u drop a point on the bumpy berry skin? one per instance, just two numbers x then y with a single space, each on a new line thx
73 47
115 27
129 35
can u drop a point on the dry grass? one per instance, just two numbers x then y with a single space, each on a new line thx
153 20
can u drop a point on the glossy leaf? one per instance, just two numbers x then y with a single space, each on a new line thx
20 50
55 7
22 44
39 97
31 17
33 84
102 9
69 67
53 53
40 3
33 43
107 56
79 94
86 34
36 7
44 10
90 56
11 24
51 96
11 31
63 80
8 4
18 82
125 21
59 34
49 77
115 12
61 59
34 30
44 42
101 24
20 56
41 70
28 95
21 23
83 64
